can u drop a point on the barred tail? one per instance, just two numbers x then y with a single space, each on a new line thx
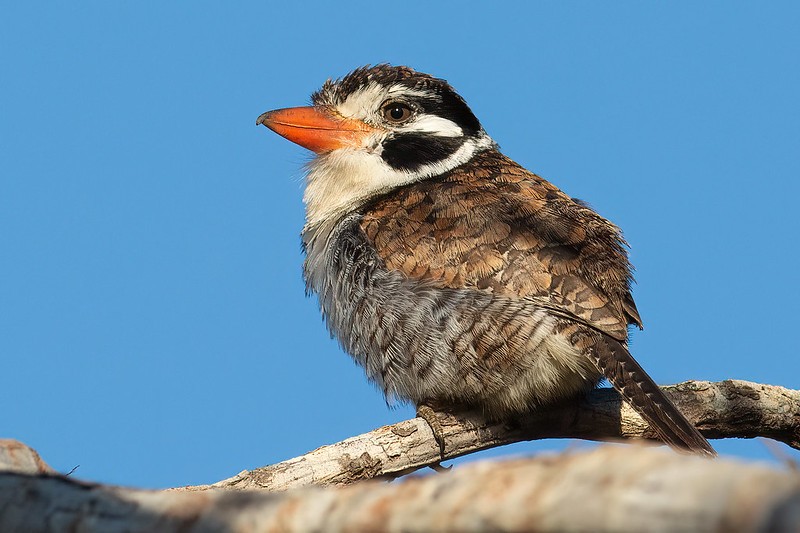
617 364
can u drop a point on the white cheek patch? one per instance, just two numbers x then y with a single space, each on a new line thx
339 181
438 126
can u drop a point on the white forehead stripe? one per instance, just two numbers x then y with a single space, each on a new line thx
398 90
363 102
366 102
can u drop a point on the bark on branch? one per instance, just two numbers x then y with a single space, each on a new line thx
631 488
725 409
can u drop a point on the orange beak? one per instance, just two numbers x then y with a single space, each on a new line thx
316 128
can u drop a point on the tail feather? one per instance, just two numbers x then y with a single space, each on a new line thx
626 375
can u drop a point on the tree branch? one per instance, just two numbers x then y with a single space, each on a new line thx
18 457
631 488
725 409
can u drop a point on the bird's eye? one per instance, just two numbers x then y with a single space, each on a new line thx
396 112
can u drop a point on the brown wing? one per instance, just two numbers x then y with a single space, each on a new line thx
496 227
493 226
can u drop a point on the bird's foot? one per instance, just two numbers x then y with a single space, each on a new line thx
427 413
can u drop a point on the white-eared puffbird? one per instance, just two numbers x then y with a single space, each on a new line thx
456 278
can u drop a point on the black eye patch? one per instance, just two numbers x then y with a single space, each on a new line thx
410 151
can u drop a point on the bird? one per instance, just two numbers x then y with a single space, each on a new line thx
455 277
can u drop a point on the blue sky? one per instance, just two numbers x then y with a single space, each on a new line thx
153 326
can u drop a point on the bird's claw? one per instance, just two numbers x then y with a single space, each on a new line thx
427 413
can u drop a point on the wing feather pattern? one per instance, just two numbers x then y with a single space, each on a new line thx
493 226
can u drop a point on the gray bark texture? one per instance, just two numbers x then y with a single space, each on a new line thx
609 488
725 409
